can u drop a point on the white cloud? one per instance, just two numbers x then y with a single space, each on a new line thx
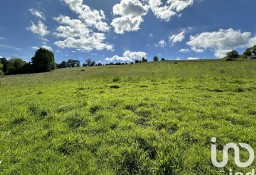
130 7
170 9
130 12
39 29
126 24
184 50
71 27
35 47
128 56
150 35
80 34
178 37
161 43
37 13
197 50
76 34
192 58
47 47
91 17
44 46
222 41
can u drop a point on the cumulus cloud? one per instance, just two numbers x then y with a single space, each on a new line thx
130 14
47 47
91 17
126 24
80 34
39 29
169 9
130 7
161 43
221 41
76 34
178 37
37 13
44 46
128 56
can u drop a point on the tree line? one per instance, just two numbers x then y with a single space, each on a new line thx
248 53
44 61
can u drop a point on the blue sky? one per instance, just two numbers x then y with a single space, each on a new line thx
124 30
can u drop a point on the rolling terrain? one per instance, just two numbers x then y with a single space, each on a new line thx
147 118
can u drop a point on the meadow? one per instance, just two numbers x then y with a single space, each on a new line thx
146 118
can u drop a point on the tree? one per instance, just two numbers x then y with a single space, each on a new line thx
27 68
99 64
247 52
13 66
89 62
16 66
137 61
162 59
232 55
4 61
73 63
63 64
250 51
155 58
1 67
144 59
253 50
43 61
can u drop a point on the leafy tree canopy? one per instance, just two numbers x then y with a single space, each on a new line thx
155 58
43 61
144 59
232 54
250 51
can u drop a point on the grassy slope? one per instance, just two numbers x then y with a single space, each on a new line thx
153 118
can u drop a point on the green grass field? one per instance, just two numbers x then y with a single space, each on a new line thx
148 118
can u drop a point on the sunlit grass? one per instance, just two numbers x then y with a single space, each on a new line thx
150 118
